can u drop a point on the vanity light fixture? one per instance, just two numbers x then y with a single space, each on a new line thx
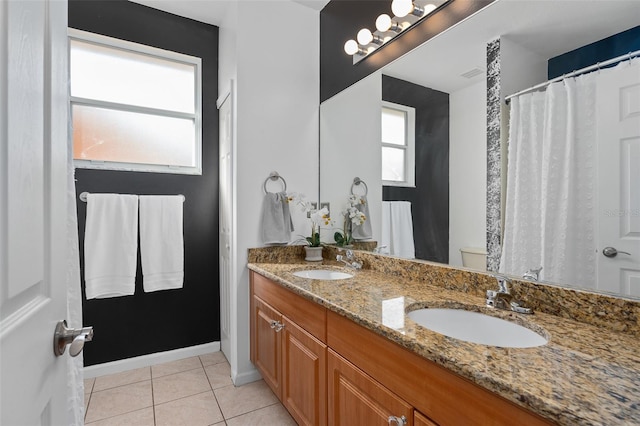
384 24
351 47
366 37
387 27
402 8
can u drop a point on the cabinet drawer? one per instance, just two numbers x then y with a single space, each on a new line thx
308 315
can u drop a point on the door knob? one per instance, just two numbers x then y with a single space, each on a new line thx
75 337
612 252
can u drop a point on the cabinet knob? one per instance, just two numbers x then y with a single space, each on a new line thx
400 421
277 325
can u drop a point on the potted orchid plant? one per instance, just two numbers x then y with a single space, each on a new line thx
318 218
352 217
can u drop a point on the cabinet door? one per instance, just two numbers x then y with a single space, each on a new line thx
266 343
420 419
357 399
304 375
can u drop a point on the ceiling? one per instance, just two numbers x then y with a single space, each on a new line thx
548 28
211 11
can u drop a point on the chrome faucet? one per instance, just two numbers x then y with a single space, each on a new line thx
379 249
503 299
349 259
532 274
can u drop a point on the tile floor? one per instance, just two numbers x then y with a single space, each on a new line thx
192 391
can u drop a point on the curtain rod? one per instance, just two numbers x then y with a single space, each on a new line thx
597 66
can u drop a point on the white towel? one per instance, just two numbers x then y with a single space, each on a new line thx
363 232
277 224
397 229
161 242
110 245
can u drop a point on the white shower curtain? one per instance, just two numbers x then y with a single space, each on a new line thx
549 216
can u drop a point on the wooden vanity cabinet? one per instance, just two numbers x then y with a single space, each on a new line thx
326 369
290 358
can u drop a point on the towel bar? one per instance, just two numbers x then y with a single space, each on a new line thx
83 196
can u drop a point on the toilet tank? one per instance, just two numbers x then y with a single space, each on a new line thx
474 258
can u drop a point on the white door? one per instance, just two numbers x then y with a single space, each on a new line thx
33 168
226 220
618 97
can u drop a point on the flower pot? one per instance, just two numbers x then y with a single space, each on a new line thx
313 254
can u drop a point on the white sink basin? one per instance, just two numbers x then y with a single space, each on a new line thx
476 327
322 274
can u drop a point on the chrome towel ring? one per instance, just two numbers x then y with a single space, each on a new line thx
274 176
357 181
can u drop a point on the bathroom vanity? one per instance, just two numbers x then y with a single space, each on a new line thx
344 351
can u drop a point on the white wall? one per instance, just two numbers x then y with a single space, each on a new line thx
467 170
227 57
277 78
351 147
520 68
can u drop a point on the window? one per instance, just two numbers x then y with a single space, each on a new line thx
134 107
398 144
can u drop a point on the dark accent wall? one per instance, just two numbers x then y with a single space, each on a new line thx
164 320
430 198
600 51
340 20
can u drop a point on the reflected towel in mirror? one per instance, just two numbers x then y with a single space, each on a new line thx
397 229
363 232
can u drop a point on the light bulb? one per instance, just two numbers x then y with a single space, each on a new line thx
383 23
364 37
401 8
351 47
429 8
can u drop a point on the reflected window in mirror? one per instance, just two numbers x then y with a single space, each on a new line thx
398 144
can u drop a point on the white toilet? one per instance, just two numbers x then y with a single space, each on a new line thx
474 258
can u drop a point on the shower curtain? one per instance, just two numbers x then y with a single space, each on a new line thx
550 199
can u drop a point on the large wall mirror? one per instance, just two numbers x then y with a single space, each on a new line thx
450 188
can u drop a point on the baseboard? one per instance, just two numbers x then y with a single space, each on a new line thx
240 379
148 360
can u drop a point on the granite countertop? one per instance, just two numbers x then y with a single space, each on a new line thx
585 375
